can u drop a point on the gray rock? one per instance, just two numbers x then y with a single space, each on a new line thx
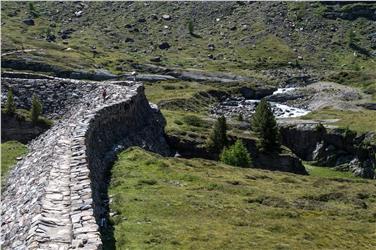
29 21
164 45
166 17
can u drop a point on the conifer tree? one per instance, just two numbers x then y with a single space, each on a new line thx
10 107
265 126
36 109
218 137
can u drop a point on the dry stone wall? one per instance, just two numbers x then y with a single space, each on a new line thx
57 94
54 197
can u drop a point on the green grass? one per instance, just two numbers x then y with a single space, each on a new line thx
359 121
25 115
179 121
172 90
10 150
327 172
170 203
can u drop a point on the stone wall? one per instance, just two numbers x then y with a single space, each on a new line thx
55 196
57 95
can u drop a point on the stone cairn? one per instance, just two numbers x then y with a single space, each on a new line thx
52 198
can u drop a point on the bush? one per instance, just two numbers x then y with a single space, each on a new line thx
236 155
36 109
218 136
265 126
10 107
191 30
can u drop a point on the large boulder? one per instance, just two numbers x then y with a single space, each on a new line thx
365 169
256 92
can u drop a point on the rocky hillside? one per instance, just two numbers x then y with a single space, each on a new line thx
248 38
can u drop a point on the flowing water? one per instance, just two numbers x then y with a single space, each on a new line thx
235 106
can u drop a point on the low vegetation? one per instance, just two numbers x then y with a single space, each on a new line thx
172 203
10 151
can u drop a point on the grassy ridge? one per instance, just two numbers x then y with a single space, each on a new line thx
170 203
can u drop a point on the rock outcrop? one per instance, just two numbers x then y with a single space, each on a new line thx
285 161
338 148
54 197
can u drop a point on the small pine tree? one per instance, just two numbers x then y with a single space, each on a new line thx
218 137
264 124
236 155
33 12
36 109
351 37
191 28
10 107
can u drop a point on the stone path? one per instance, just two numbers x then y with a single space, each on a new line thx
55 221
47 203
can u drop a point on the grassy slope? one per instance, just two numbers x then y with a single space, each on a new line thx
9 152
169 203
262 38
360 121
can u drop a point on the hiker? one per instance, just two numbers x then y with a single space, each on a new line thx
104 94
134 74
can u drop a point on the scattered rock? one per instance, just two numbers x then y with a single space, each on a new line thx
211 46
78 13
156 59
129 40
166 17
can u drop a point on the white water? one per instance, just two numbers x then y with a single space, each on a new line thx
286 111
283 90
247 107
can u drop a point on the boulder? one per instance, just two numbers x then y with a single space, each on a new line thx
28 21
362 169
164 45
166 17
256 92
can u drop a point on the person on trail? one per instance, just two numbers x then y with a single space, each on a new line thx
134 74
104 94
